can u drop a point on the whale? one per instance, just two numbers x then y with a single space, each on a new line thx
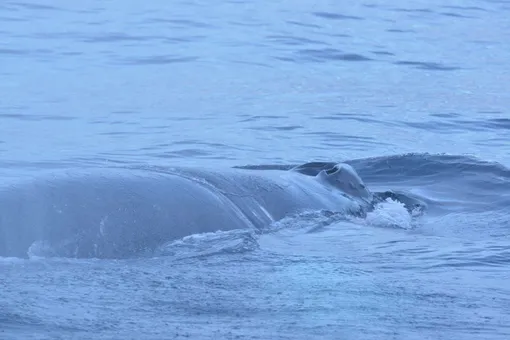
115 213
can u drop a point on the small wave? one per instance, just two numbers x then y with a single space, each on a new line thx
431 66
308 222
337 16
329 54
424 164
474 254
207 244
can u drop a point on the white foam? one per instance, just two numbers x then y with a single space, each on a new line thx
218 242
39 249
390 213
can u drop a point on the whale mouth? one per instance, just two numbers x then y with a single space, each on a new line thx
412 204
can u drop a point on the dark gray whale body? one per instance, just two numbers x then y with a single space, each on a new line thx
113 213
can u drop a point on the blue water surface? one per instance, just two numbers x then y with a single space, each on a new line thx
414 95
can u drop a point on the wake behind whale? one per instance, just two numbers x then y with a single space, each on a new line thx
116 213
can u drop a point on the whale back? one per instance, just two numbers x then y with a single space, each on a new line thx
343 177
313 168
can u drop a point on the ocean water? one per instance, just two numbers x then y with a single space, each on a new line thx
414 95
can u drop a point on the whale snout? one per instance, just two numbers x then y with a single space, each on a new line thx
344 177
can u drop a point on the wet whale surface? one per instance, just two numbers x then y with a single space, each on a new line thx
114 213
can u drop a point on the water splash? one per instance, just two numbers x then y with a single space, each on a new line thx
391 214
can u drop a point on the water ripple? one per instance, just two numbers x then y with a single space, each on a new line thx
32 117
498 123
109 37
328 54
158 60
457 15
466 8
413 10
33 6
179 23
335 16
428 65
293 40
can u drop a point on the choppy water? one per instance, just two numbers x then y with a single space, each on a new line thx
413 95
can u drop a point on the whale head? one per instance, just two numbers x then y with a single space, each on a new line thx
343 177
